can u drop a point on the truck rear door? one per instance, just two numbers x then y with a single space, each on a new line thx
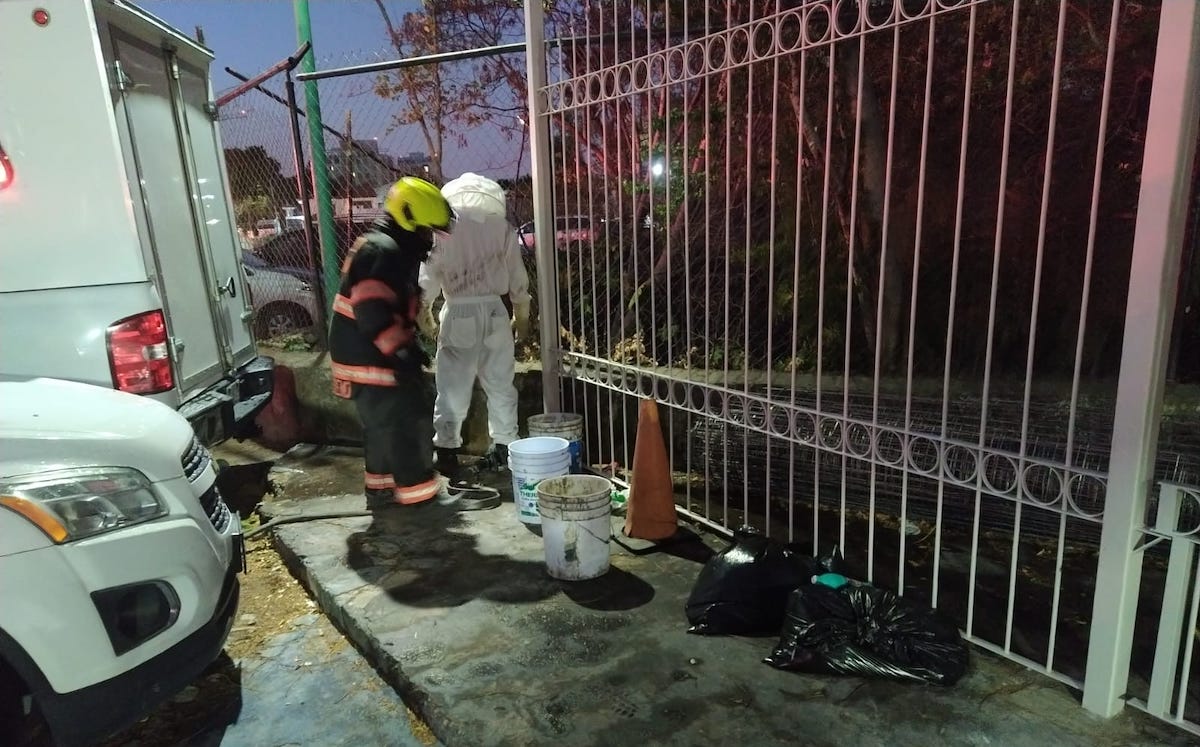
220 228
146 119
166 121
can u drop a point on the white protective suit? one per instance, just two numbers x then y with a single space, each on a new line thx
473 268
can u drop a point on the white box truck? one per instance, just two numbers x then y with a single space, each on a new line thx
120 262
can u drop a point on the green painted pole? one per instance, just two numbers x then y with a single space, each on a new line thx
320 168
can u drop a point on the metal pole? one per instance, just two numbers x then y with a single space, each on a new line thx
288 63
498 49
427 59
300 112
1153 280
543 217
320 168
310 239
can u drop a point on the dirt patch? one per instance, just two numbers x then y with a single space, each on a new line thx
270 603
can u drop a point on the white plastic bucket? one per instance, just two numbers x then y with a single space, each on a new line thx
532 460
576 525
562 425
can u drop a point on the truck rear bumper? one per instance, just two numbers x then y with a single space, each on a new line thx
228 408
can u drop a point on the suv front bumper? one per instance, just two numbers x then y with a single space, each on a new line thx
92 713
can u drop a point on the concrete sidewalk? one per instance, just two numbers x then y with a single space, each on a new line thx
457 611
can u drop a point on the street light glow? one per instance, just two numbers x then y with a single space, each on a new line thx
657 168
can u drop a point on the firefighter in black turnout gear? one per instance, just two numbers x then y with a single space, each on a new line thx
376 358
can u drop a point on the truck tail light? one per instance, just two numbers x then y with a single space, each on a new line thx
6 170
139 355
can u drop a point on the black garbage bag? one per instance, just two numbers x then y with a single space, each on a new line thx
865 631
743 590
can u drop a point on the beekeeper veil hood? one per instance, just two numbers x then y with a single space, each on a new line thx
472 193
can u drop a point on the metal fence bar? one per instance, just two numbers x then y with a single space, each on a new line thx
843 436
968 80
748 147
828 173
771 259
611 451
539 149
1157 246
728 242
793 360
1189 648
1097 174
882 289
708 248
919 234
994 292
1165 676
687 266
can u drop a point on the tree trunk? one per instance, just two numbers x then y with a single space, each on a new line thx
877 275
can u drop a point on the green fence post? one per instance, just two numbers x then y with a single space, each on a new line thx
320 169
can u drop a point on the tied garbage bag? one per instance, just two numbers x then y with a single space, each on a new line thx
743 590
869 632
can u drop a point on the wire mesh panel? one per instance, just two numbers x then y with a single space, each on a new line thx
257 134
436 121
873 257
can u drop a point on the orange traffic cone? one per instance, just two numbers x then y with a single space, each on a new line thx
650 514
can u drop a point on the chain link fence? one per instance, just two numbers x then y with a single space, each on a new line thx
431 121
435 121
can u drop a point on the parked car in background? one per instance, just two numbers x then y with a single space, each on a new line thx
117 236
118 559
288 251
568 231
284 303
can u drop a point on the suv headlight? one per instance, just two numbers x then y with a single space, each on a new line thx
72 504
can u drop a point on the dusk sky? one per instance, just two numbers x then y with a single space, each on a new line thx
251 35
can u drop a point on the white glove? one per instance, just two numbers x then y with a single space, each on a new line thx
426 323
521 321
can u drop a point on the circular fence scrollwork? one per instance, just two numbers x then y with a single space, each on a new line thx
858 439
804 428
960 464
1041 485
1086 494
831 433
889 447
785 31
923 455
1034 481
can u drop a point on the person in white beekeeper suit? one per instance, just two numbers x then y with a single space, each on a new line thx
479 271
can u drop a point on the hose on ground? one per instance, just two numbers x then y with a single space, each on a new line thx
324 515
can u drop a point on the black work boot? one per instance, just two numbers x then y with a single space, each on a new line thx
496 459
447 464
379 498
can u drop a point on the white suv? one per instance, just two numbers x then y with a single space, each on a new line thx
118 557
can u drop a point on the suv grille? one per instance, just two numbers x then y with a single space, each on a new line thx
194 460
215 508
